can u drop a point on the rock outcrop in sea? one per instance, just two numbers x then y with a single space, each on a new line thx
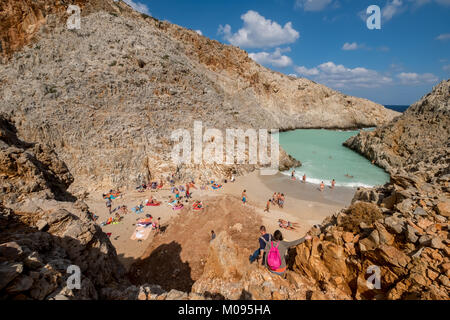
107 97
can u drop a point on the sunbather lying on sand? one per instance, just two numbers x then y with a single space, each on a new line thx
287 224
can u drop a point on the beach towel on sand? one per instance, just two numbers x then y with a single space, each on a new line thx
141 233
153 204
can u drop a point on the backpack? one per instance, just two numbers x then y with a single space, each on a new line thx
274 257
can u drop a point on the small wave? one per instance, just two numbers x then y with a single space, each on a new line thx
317 181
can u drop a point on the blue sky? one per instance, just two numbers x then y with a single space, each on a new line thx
328 40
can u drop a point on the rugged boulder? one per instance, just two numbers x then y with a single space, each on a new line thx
44 230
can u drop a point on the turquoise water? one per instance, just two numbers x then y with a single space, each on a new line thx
324 158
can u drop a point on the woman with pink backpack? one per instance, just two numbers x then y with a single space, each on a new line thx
276 250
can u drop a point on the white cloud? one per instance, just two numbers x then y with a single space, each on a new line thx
138 6
276 58
312 5
443 37
259 32
392 8
339 76
410 78
307 72
396 7
350 46
383 49
199 32
446 68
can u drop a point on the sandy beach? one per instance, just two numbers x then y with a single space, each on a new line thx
305 206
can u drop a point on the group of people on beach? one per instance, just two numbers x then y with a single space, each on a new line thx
273 249
150 186
322 184
332 185
277 199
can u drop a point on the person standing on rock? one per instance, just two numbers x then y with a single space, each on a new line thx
276 250
259 253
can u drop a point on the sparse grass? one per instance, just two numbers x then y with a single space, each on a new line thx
360 212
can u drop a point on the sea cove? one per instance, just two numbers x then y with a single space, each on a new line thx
324 158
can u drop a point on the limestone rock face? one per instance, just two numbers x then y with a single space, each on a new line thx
107 97
44 230
417 142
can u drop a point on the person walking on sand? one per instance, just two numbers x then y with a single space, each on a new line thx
293 175
109 204
267 206
244 196
213 235
188 193
304 178
276 250
333 184
322 186
259 253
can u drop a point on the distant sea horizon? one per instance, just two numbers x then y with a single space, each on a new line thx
398 108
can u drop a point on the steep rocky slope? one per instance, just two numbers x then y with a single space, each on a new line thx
43 230
417 142
107 97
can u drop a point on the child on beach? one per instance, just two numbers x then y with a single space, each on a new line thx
304 178
244 196
293 175
281 201
267 205
333 183
322 186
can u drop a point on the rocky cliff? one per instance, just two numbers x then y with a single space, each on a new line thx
401 228
44 230
417 142
108 96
